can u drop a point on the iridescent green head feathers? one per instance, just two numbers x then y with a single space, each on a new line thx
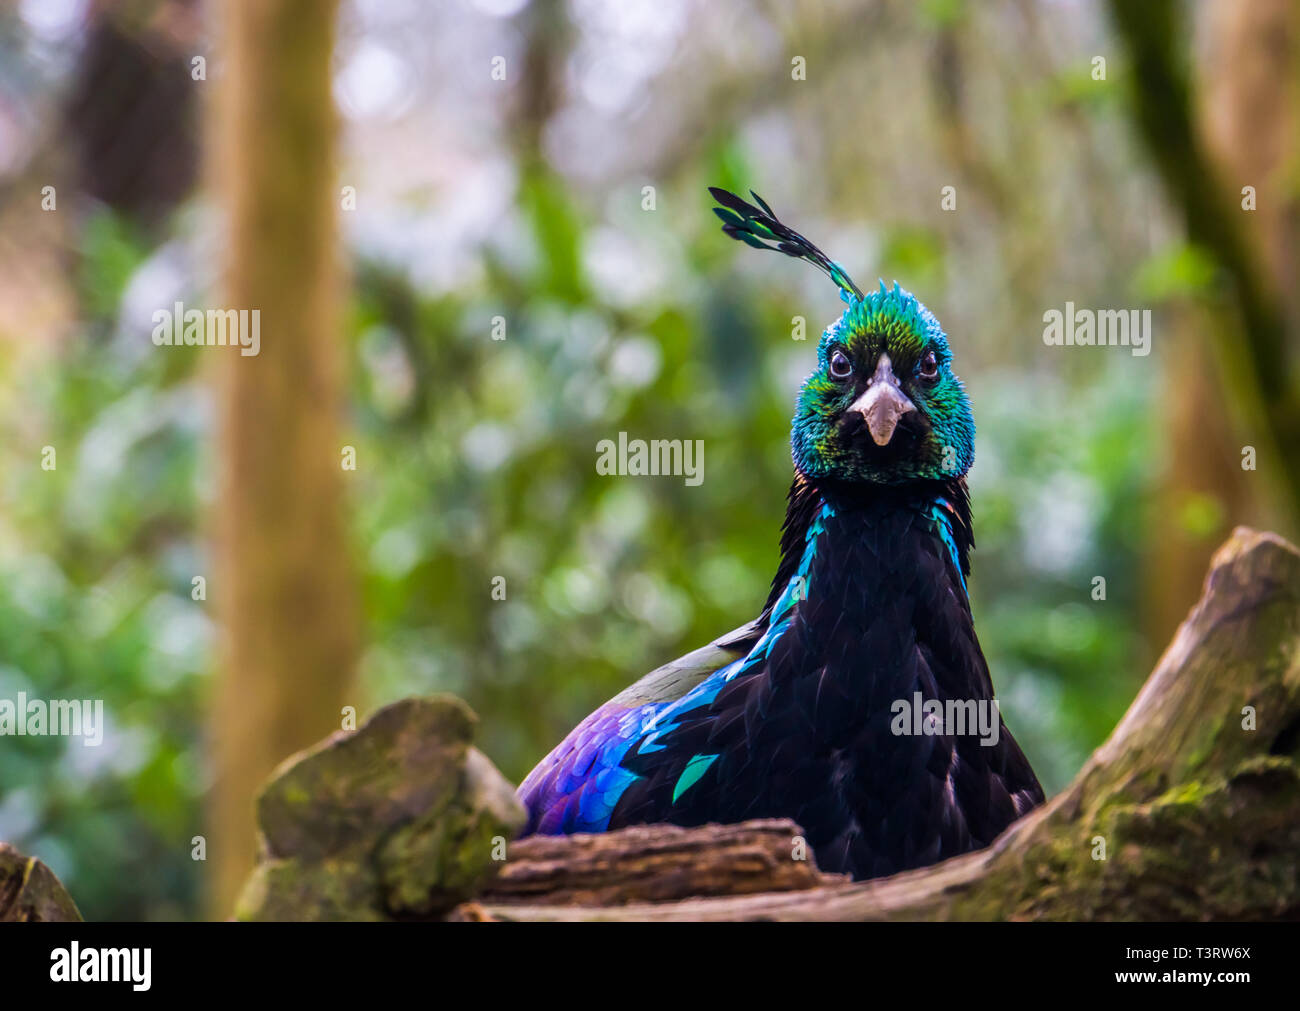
883 406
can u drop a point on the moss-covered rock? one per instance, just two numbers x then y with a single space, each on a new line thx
330 889
445 856
400 819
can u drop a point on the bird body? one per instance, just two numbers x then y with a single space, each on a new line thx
809 712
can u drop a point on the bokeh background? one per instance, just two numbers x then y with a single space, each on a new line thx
525 199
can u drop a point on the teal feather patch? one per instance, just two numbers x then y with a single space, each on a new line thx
695 768
940 512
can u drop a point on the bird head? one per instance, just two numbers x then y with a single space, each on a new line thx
883 405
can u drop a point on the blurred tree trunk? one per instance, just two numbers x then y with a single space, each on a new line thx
1245 112
1202 491
1251 119
283 581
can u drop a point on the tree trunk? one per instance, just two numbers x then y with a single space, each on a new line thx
1255 363
1250 125
283 582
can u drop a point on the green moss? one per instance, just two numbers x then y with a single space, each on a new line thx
396 820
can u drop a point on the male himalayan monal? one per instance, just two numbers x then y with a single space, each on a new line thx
809 712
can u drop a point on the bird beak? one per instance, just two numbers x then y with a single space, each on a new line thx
883 403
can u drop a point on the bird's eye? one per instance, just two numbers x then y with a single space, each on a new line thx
929 366
841 367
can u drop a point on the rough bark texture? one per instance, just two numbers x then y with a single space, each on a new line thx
30 893
657 864
399 820
1198 813
283 585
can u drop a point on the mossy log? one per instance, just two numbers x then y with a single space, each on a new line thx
1190 811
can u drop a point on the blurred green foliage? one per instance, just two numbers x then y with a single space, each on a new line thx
476 456
477 460
96 560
